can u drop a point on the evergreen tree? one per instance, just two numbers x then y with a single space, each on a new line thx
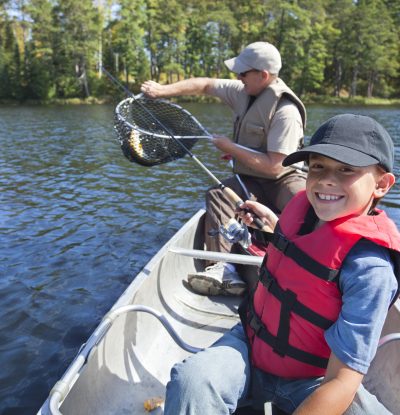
370 46
165 37
40 51
75 46
297 30
126 41
10 66
338 13
56 47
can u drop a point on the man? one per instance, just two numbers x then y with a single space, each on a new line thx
269 121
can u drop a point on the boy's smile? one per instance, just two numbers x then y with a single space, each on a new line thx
337 190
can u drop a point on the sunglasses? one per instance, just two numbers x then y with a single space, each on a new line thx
243 74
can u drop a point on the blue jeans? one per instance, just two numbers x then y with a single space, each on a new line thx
217 380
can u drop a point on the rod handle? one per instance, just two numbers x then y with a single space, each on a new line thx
238 202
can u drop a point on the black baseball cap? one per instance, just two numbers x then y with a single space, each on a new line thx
352 139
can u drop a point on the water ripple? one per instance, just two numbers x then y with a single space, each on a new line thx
78 221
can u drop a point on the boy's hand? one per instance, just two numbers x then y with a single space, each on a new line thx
265 214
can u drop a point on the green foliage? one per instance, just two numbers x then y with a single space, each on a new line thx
10 67
39 53
53 48
40 79
76 39
126 38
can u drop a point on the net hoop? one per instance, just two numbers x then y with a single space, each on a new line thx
149 130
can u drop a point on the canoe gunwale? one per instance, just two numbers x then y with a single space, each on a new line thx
64 385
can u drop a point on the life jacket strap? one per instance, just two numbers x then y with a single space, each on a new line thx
265 335
289 249
282 338
270 283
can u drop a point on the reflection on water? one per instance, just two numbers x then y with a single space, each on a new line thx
78 221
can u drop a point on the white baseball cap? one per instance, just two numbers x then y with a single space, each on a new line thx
258 55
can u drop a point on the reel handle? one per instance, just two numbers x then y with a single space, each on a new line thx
238 201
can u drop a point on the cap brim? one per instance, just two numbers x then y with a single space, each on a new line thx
237 66
339 153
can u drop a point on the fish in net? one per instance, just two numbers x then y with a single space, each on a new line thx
153 132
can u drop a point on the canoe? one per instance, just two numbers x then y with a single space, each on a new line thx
158 321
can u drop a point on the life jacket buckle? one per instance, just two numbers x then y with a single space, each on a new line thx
255 324
266 278
281 242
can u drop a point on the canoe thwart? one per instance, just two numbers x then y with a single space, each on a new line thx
218 256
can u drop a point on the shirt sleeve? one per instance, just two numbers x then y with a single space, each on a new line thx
368 284
286 128
231 92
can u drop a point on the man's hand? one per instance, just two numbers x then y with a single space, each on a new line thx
222 143
152 89
266 163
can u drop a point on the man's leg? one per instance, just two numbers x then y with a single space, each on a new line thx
221 278
213 381
285 188
219 210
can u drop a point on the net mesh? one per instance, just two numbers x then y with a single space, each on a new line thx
144 127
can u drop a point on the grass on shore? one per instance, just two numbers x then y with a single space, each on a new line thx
351 101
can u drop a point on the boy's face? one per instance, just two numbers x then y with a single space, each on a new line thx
337 190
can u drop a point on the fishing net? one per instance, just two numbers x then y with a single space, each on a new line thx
150 131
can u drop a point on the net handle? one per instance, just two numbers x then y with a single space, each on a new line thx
228 192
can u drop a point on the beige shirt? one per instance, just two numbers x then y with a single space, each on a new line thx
277 130
286 128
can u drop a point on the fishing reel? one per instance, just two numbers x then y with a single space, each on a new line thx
234 232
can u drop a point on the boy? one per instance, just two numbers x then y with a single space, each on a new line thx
313 322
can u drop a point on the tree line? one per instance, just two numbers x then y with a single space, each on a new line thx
55 48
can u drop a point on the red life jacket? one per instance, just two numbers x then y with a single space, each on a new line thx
297 297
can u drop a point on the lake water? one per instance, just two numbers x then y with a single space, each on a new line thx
78 221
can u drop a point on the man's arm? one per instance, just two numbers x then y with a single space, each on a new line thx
191 86
336 392
284 134
266 163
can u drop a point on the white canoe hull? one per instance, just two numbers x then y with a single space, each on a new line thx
131 362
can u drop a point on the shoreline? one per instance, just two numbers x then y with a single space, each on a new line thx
307 100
